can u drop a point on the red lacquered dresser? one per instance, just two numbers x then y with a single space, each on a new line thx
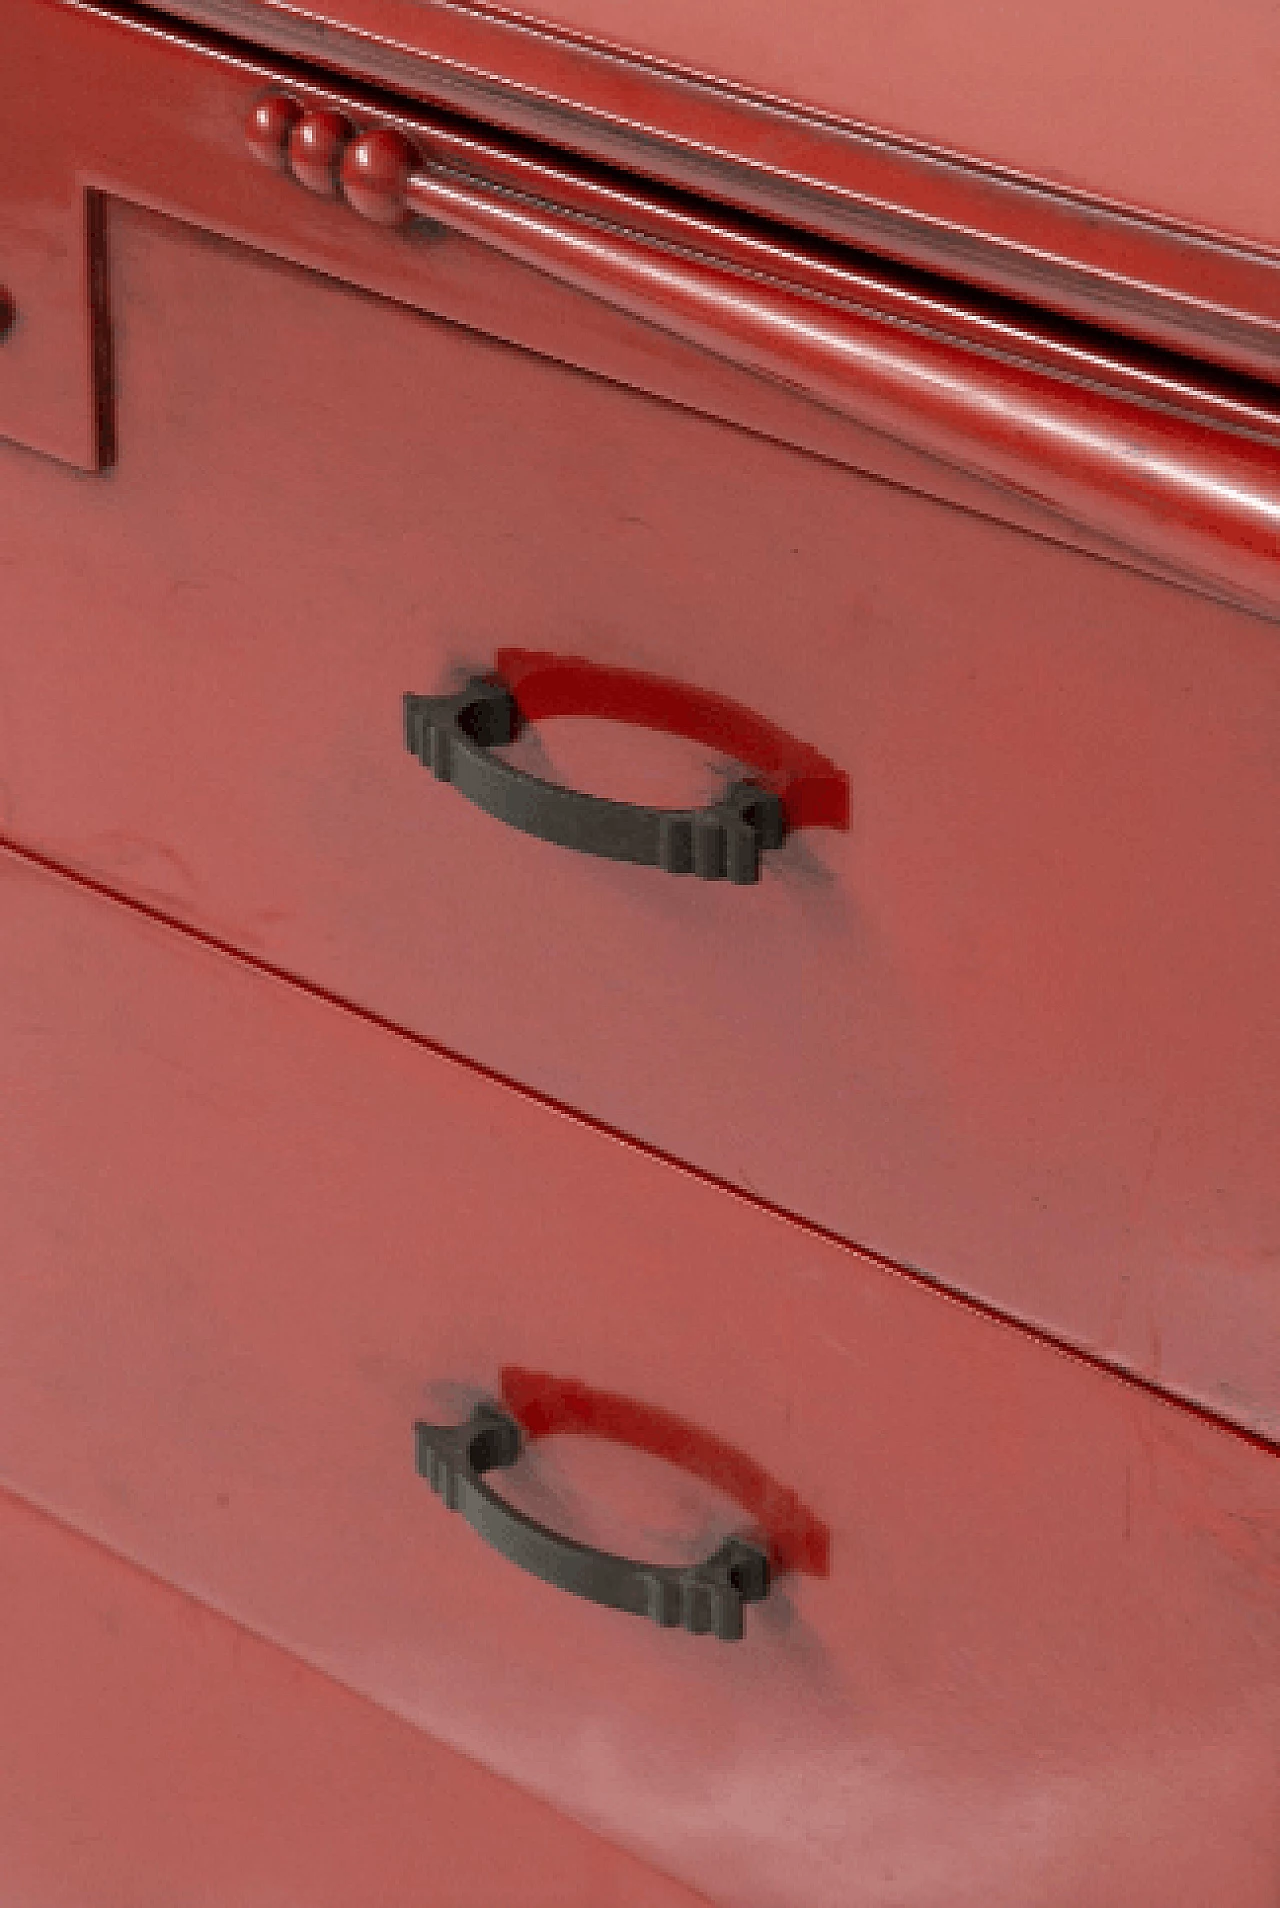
640 955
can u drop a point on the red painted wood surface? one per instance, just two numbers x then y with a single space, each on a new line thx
1159 123
259 1236
1199 494
172 133
153 1753
717 234
1165 108
1199 500
1018 1028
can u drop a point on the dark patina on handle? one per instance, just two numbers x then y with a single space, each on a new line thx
453 737
705 1598
785 784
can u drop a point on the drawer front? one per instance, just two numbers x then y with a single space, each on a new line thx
153 1753
1029 1648
1019 1027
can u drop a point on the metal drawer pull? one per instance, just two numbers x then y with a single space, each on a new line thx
704 1598
793 786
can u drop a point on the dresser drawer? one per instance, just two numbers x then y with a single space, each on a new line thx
1018 1026
153 1753
1027 1642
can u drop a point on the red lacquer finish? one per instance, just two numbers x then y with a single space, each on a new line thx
1043 1662
1206 503
874 286
891 1213
1199 500
1017 1028
1203 501
150 1751
1174 117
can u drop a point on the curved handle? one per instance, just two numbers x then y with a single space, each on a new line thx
705 1598
454 735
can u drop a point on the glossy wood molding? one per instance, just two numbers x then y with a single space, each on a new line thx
1200 495
1198 499
1090 258
1151 460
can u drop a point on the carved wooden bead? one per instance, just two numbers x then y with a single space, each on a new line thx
268 127
316 145
375 173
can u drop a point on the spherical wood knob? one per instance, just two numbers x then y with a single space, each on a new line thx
375 172
316 146
268 127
